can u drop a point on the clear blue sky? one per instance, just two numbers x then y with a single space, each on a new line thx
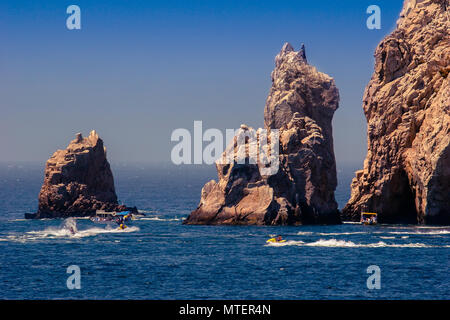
137 70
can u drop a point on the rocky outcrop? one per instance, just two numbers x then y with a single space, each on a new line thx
293 180
406 174
78 181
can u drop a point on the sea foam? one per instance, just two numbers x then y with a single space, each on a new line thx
335 243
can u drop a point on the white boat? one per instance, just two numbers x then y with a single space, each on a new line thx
102 216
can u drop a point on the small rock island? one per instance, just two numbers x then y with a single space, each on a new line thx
300 105
78 181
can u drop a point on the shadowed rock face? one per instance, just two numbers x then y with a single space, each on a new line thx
406 174
300 107
78 181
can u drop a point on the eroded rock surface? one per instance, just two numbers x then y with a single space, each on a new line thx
78 181
300 107
406 174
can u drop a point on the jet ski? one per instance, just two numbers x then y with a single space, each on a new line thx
276 240
122 227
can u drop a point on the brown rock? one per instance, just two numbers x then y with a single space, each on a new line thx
300 106
406 175
78 181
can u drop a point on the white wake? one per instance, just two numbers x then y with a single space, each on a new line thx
68 230
334 243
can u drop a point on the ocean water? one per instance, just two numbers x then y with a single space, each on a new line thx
159 258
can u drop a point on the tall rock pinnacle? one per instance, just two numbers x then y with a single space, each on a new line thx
406 174
300 106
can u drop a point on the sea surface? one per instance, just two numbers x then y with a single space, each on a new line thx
159 258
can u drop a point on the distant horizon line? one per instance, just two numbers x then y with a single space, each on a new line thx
149 163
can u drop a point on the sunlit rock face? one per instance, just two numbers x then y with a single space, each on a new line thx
78 181
300 107
406 174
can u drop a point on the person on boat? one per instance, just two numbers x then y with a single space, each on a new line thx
279 238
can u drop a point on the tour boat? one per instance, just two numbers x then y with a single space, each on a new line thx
368 218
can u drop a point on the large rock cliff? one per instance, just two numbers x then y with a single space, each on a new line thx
300 189
78 181
406 174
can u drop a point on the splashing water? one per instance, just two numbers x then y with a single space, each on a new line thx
349 244
67 230
70 225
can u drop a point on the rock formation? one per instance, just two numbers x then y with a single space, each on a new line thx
300 190
78 181
406 175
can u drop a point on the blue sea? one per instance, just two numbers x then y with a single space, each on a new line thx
159 258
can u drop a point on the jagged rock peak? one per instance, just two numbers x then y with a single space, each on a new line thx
299 87
78 138
93 134
288 53
287 47
302 52
91 140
